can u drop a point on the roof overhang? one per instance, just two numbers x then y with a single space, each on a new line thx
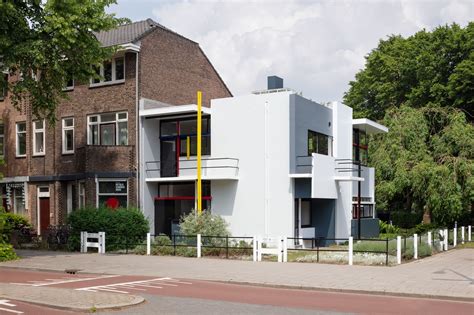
369 126
173 110
129 47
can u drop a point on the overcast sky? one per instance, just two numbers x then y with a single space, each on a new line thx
316 46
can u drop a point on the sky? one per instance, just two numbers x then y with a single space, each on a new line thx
317 47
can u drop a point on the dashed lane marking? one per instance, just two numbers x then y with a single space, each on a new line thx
6 303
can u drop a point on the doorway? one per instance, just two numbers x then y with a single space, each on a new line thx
44 214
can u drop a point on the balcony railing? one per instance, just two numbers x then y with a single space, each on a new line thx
218 168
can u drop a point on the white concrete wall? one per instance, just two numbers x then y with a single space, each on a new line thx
323 184
254 129
342 129
368 185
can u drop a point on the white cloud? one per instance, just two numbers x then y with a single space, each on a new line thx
316 46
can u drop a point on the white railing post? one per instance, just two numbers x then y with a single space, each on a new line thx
259 248
280 249
351 250
455 237
148 244
254 240
415 246
285 249
399 250
462 234
101 242
468 233
446 235
441 242
83 242
429 239
198 245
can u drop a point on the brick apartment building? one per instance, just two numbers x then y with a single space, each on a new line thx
90 157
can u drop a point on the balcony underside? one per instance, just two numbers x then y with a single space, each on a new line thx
188 178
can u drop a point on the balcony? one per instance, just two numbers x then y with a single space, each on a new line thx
212 169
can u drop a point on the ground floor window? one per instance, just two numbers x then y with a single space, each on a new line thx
366 211
82 195
18 201
112 193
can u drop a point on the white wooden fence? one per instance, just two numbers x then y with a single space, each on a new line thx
86 241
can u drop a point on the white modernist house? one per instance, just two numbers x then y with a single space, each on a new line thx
274 163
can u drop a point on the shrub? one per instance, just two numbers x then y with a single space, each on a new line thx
386 228
406 219
14 222
206 224
123 227
423 228
7 252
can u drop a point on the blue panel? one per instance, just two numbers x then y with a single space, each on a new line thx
324 218
302 187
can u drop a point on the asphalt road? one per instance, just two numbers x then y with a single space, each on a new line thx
180 296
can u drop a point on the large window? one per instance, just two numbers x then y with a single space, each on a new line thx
108 129
2 138
185 132
21 139
38 137
68 135
82 195
18 201
360 146
113 193
111 71
319 143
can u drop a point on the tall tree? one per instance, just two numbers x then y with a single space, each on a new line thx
45 43
422 88
434 69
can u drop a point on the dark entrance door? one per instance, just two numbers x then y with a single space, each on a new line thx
168 162
44 214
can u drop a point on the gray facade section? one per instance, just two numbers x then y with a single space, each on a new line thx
306 115
323 218
369 228
302 187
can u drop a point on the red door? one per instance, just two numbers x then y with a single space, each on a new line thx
44 214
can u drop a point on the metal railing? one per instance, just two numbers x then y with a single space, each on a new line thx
153 168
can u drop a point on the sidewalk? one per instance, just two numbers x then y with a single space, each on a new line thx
67 298
445 275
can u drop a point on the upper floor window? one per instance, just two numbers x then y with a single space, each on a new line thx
68 135
185 133
111 71
69 85
2 139
21 139
108 129
38 137
319 143
360 146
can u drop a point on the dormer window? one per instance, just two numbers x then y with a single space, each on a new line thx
110 72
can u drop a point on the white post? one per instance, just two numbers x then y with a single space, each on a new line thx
446 234
83 242
198 245
468 233
462 234
351 250
441 243
259 248
429 239
254 248
280 249
101 242
415 246
399 250
148 244
285 249
455 237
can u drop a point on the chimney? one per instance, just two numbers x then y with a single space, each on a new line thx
274 82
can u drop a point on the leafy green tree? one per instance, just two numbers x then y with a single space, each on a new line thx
428 69
45 43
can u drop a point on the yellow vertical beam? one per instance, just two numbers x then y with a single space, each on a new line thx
199 131
188 147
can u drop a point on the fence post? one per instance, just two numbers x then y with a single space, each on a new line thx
429 239
468 233
351 250
285 249
280 249
441 243
174 244
446 237
101 242
148 244
317 250
226 246
198 245
259 248
386 251
399 250
455 237
415 246
462 234
83 242
254 248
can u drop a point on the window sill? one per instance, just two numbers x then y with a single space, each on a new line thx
20 156
68 153
68 89
101 84
39 155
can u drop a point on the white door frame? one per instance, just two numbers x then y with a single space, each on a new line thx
39 195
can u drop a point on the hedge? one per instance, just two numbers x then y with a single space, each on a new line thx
122 226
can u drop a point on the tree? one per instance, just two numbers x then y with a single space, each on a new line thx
428 69
422 88
44 44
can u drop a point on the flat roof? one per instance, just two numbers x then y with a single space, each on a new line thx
173 110
369 126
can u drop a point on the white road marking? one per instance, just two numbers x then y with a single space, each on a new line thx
5 303
43 283
11 311
113 286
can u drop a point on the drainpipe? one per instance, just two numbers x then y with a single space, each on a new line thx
137 130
